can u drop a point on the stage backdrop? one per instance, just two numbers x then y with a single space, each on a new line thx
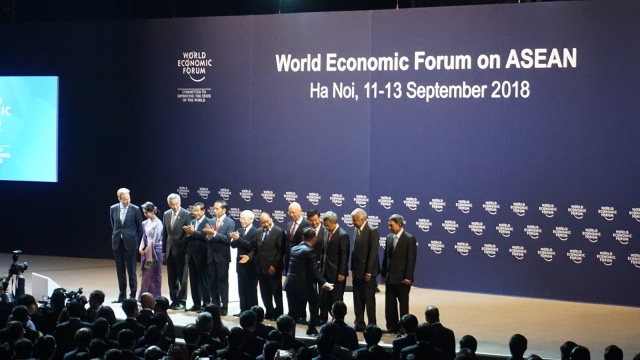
506 135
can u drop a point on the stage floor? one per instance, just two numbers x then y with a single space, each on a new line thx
491 319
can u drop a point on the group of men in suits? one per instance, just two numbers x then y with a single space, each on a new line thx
316 249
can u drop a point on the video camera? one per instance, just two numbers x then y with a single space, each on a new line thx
15 282
17 268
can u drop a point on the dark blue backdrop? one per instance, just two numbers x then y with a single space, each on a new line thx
485 184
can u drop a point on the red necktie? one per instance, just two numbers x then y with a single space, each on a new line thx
293 231
329 238
218 224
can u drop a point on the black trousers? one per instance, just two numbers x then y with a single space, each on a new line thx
364 296
247 286
199 281
177 274
395 294
219 284
271 291
327 298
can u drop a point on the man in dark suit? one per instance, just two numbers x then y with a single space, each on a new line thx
300 284
365 267
197 253
294 229
423 348
334 263
219 254
373 351
126 222
397 271
270 249
65 332
174 245
244 240
409 325
440 336
315 222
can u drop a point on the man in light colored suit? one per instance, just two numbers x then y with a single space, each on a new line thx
174 244
197 254
126 222
397 271
219 254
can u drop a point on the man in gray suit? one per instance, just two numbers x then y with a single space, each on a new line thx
397 271
174 244
126 222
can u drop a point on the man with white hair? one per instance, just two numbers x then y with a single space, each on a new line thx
365 267
174 247
244 240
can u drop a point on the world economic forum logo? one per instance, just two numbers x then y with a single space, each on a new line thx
361 200
224 193
257 212
234 213
635 214
347 220
204 192
577 211
279 215
533 231
290 196
268 195
547 254
519 208
607 212
562 232
424 224
591 234
477 227
373 220
437 204
246 195
183 191
314 198
491 207
622 236
464 206
518 251
606 257
385 201
463 248
450 225
576 255
491 250
411 203
436 246
195 64
548 210
337 199
634 259
504 229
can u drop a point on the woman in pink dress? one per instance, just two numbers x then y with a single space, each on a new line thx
151 251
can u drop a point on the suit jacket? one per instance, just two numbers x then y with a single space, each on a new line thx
422 350
219 245
443 338
303 269
375 352
65 334
130 230
270 251
399 264
297 237
364 258
246 245
402 342
174 240
197 242
336 255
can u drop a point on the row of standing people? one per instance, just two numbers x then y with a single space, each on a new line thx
197 248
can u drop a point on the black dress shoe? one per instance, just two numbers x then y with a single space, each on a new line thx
236 315
117 301
302 322
194 308
223 312
179 307
312 331
359 328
